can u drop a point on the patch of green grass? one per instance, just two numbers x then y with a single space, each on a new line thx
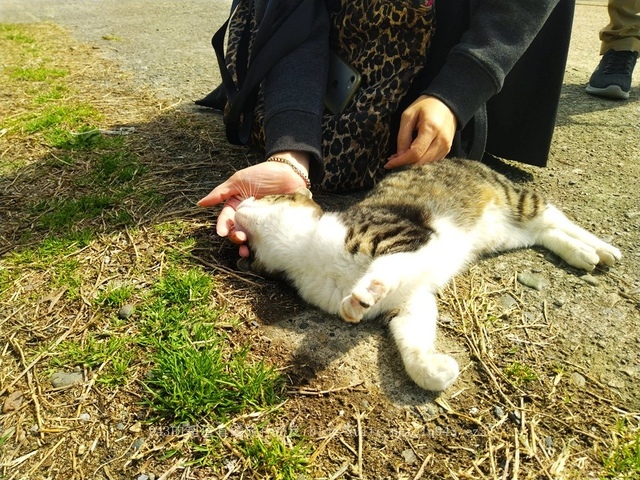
66 273
37 74
113 354
274 459
520 374
116 168
60 115
7 278
52 247
60 214
624 460
55 92
115 296
184 288
191 380
196 373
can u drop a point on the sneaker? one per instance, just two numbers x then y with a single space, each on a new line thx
612 78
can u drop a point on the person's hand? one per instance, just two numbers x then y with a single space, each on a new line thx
256 181
435 125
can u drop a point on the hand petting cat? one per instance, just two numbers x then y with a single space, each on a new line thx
255 181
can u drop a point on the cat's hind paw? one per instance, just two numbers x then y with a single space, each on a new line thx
433 371
608 255
587 257
355 306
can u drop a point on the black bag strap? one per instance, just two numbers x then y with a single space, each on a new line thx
279 33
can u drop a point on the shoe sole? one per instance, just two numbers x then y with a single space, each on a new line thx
613 92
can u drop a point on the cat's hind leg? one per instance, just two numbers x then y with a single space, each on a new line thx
414 332
432 266
572 243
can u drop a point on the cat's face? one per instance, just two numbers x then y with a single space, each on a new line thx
274 220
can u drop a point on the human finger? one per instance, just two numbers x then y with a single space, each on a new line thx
226 223
219 194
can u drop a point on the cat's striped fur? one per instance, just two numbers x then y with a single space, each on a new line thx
392 251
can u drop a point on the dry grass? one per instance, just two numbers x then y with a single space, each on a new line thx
517 415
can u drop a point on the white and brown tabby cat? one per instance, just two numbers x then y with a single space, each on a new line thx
391 252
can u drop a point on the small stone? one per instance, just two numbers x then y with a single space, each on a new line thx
81 449
125 312
85 417
63 379
120 426
303 325
559 301
548 442
498 411
137 444
143 477
12 402
136 427
578 380
507 302
409 456
473 411
515 417
590 279
532 280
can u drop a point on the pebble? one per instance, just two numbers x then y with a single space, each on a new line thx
120 426
498 411
143 477
532 280
515 417
473 411
507 301
63 379
548 442
559 301
137 444
85 417
578 380
136 427
409 456
125 312
590 279
12 402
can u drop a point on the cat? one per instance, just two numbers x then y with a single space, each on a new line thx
391 252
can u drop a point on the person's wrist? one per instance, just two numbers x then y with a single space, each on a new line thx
297 161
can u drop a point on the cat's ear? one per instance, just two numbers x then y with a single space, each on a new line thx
304 191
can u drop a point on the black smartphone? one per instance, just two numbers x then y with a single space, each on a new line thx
342 84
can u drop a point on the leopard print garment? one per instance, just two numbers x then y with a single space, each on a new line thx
386 41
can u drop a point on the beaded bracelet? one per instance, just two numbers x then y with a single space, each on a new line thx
295 167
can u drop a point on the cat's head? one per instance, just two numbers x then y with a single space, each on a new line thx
275 224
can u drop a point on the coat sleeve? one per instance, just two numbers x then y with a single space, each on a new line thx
475 69
294 93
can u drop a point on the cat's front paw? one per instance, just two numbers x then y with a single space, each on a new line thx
355 306
432 371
